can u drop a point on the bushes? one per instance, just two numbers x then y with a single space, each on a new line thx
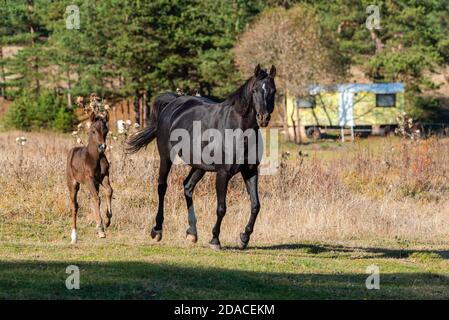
64 119
17 115
31 111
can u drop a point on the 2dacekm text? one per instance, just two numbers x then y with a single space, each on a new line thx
226 309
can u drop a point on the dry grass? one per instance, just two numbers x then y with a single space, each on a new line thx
394 191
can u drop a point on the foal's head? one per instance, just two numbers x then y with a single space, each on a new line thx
98 131
264 90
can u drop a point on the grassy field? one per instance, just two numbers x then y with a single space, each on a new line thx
329 213
124 270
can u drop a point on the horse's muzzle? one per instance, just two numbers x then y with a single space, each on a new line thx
102 147
263 119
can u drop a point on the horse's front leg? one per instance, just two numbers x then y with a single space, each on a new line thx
104 166
221 186
108 189
94 189
250 176
74 187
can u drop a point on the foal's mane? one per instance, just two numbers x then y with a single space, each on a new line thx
241 98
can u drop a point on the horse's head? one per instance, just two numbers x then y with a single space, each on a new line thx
264 90
99 130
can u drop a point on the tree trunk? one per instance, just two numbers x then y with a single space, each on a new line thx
128 111
285 124
35 65
122 109
114 113
3 78
145 109
137 108
69 90
141 110
377 41
298 125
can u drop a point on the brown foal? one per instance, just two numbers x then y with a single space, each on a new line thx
88 165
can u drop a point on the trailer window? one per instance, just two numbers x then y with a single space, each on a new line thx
306 102
386 100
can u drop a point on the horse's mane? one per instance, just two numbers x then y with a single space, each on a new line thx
241 97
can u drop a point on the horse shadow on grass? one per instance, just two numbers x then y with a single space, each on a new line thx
158 281
373 252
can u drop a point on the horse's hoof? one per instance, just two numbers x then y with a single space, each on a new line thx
101 234
193 238
216 247
108 222
215 244
241 243
156 235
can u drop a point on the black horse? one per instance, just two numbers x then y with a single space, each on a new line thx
245 110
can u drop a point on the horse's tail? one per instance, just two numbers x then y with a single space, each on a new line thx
143 137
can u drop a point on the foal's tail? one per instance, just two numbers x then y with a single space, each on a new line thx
143 137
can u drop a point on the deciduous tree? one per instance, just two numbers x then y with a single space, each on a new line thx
291 39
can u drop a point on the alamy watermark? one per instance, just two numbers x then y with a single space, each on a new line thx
72 282
373 280
72 20
228 146
373 20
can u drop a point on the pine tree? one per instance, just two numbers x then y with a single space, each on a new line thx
25 28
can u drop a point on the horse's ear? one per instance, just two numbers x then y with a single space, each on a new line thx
273 71
92 117
257 70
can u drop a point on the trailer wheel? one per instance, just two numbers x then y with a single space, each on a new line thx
313 133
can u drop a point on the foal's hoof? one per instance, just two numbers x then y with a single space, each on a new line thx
156 234
193 238
73 237
108 222
101 234
242 243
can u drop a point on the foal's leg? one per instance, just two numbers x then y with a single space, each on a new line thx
108 189
164 170
190 182
95 202
221 186
250 176
73 189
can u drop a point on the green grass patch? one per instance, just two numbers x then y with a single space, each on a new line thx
113 270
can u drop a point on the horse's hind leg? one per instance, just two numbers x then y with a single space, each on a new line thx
221 187
73 189
95 201
190 182
250 176
164 170
108 189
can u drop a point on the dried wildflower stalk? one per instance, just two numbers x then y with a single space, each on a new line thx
407 128
96 104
